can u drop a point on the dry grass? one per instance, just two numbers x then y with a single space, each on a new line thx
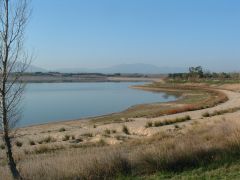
149 124
66 137
87 135
47 139
163 152
220 112
168 121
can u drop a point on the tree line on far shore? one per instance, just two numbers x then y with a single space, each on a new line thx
198 73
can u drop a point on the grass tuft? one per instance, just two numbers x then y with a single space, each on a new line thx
32 143
2 146
18 143
66 137
168 121
149 124
62 129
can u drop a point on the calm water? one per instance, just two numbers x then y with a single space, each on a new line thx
48 102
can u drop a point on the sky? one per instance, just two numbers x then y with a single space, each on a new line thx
102 33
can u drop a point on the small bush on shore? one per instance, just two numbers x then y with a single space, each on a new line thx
62 129
177 126
2 146
40 141
41 149
149 124
114 131
206 114
73 137
101 142
49 139
45 149
32 143
168 121
107 131
87 135
18 143
220 112
66 137
125 130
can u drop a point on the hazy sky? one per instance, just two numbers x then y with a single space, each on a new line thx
100 33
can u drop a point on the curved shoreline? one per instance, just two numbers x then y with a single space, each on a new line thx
87 119
171 91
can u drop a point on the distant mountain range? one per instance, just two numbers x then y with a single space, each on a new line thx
122 68
32 68
126 68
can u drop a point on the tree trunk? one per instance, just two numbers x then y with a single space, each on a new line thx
11 162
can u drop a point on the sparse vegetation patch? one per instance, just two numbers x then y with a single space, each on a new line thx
168 121
221 112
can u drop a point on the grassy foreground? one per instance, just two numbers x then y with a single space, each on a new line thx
215 171
200 153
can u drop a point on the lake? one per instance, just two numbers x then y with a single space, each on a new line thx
50 102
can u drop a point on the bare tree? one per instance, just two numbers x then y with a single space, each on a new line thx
13 63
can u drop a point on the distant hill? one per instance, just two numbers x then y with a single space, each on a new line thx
127 68
33 68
